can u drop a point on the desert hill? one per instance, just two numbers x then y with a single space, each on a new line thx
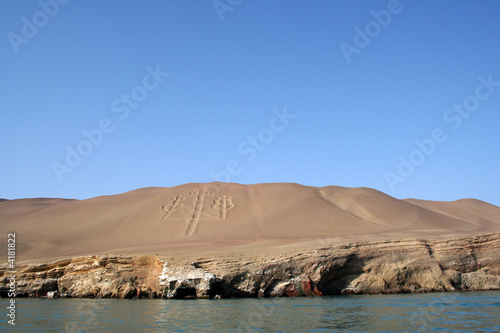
216 215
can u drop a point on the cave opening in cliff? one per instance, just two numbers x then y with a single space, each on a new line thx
185 293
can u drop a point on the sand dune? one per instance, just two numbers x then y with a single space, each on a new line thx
217 215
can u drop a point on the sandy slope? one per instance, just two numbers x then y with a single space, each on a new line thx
220 215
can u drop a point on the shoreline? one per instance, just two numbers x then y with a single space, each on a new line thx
467 263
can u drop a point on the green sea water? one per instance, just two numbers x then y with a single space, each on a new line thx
435 312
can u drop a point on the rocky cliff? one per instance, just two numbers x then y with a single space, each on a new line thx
467 263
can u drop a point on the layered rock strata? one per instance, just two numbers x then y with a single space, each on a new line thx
467 263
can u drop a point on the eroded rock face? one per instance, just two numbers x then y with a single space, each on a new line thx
470 263
95 276
182 282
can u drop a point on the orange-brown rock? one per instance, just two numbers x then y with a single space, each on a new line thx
413 265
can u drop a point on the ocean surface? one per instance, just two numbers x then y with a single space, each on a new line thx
443 312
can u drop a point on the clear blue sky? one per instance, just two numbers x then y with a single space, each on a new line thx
355 102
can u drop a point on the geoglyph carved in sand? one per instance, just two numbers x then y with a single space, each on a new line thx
204 205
